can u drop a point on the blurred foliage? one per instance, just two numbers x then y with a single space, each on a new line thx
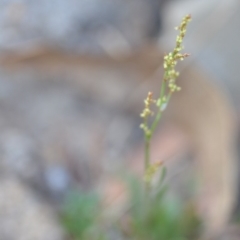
79 216
158 217
152 217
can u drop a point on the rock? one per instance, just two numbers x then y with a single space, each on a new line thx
85 26
24 216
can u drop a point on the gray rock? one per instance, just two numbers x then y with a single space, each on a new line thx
85 26
23 216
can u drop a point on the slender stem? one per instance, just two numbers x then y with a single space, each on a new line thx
156 121
147 153
159 114
146 166
163 88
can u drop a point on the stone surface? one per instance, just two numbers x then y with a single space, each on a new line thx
23 216
86 26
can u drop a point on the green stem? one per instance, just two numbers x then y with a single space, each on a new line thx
156 121
147 161
163 88
147 152
159 114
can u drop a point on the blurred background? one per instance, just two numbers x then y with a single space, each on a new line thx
73 76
